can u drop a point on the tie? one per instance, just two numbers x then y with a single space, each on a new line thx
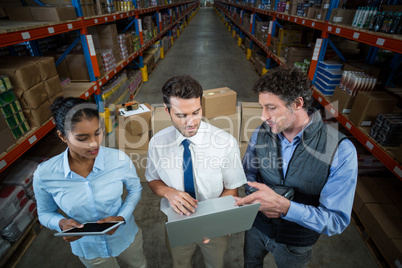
188 169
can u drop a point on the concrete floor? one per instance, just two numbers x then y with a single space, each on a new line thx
206 51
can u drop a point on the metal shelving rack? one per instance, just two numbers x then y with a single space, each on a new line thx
379 40
85 89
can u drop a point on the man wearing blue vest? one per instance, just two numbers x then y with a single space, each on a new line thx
301 170
192 161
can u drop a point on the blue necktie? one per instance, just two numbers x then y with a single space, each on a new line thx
188 169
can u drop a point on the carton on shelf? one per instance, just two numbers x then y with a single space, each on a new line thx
342 16
250 119
383 222
53 86
367 191
136 124
19 13
77 67
60 13
36 117
34 97
342 101
368 105
218 101
6 136
23 75
229 123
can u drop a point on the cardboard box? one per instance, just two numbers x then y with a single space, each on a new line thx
139 159
368 192
135 124
311 12
342 16
3 123
128 141
160 120
230 123
23 75
298 51
342 101
34 97
218 101
383 222
77 67
19 13
7 139
292 9
53 86
48 13
362 67
393 252
251 113
36 117
392 187
289 37
243 148
368 105
321 14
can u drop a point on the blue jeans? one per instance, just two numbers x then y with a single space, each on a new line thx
257 245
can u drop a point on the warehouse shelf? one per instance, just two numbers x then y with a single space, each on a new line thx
381 40
79 90
279 60
24 143
361 134
15 32
382 153
18 249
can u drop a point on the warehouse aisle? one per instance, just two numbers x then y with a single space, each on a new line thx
206 51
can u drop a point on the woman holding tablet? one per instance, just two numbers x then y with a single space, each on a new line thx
86 183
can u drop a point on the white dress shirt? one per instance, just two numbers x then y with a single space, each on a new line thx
215 155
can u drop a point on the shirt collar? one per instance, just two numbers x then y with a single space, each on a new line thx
98 165
196 139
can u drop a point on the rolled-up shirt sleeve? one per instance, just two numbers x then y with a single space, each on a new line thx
47 207
333 214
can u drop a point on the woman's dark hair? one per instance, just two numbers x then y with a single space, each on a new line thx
183 86
288 84
68 111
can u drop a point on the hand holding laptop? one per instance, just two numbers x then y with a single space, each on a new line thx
181 202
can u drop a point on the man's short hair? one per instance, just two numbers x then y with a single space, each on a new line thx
288 84
183 86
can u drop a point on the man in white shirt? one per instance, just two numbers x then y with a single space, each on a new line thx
192 161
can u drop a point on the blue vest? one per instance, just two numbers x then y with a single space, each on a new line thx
307 173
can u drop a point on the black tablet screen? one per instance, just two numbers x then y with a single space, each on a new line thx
92 227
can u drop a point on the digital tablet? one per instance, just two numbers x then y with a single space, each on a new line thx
91 228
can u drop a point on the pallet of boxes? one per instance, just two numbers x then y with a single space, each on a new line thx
32 85
134 132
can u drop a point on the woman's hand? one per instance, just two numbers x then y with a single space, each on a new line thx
109 219
68 224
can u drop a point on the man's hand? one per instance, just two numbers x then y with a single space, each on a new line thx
108 219
181 201
68 224
272 204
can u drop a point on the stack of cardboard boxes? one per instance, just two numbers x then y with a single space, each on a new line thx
35 83
219 109
41 13
377 204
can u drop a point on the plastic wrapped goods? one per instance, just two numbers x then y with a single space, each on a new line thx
14 230
4 246
10 199
21 174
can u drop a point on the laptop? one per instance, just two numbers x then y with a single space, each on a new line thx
213 218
